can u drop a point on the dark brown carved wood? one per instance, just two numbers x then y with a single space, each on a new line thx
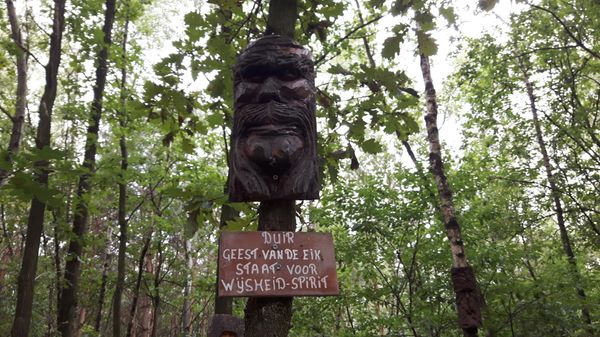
273 142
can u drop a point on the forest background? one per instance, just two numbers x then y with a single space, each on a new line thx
115 127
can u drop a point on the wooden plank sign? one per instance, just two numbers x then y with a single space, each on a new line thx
260 264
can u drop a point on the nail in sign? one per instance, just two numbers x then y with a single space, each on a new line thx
253 264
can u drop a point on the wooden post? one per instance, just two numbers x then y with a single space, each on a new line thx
271 316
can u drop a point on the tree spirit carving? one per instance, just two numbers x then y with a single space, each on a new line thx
273 143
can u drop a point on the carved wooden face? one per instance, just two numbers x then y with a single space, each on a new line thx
273 145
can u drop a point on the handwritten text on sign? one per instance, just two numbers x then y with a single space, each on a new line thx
276 264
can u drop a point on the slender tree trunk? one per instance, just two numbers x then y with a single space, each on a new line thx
49 310
21 97
465 286
102 295
138 284
67 307
555 195
57 266
35 221
271 316
6 254
187 291
156 295
224 305
144 313
123 223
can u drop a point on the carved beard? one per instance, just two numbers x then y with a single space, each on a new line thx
274 147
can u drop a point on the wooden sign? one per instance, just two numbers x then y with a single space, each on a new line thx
255 264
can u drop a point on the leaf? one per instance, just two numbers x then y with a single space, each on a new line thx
239 224
425 21
47 153
215 119
427 44
4 163
175 192
411 124
216 87
357 129
187 146
193 19
333 10
400 7
376 3
448 14
338 69
391 47
371 146
26 187
386 78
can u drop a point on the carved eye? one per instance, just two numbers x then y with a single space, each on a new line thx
254 74
255 78
288 75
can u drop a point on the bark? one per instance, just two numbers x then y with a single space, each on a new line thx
68 304
49 310
123 223
6 254
224 305
555 195
102 294
35 220
271 316
282 17
156 295
187 291
21 96
144 312
138 284
467 296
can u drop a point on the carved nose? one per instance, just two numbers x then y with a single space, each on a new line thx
269 91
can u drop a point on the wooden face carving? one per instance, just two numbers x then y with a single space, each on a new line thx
273 142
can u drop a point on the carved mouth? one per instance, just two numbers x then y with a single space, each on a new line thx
274 130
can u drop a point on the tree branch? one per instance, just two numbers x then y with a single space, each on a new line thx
535 50
7 113
24 49
345 37
568 31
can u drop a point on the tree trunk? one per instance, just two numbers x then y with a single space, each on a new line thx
138 284
102 295
35 220
21 97
555 195
68 303
6 254
282 18
271 316
156 295
224 305
123 223
144 313
468 298
187 291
